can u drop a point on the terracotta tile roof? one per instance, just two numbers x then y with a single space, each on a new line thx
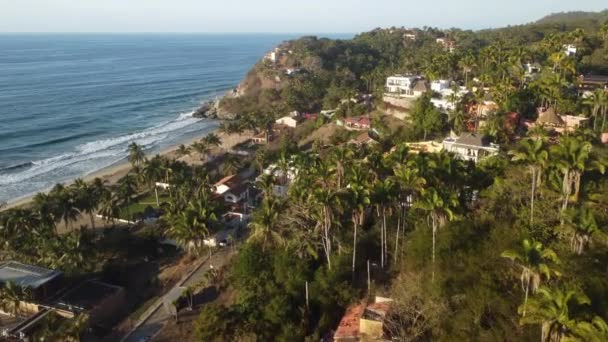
349 325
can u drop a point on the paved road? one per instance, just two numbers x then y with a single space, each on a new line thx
153 324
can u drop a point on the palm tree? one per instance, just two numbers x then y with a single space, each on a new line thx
44 204
266 183
573 157
535 261
231 164
410 184
383 195
182 151
535 154
127 187
341 156
86 199
359 196
153 171
211 139
552 309
582 222
457 119
201 148
136 154
109 207
439 207
264 225
65 204
192 225
596 101
11 297
325 201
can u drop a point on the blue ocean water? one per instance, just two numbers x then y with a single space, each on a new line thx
71 103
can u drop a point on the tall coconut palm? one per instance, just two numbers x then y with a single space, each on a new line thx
201 148
136 154
86 199
410 184
535 154
553 310
535 262
65 204
266 183
573 157
341 156
152 172
325 201
359 200
44 204
264 225
595 102
383 196
127 187
440 208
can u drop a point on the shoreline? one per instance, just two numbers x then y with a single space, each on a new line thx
112 174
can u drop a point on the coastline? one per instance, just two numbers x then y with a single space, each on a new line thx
112 174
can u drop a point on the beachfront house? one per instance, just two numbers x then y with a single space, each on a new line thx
40 282
470 146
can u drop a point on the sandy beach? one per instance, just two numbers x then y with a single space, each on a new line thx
113 173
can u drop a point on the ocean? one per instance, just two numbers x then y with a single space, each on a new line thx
71 103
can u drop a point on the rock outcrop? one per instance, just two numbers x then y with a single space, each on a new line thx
212 110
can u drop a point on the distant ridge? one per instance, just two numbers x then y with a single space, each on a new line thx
572 18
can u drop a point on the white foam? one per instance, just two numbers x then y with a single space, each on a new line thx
96 155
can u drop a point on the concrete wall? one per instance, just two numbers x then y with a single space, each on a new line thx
399 102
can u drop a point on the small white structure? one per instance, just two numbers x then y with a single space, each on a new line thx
289 121
470 147
532 68
409 36
440 85
570 50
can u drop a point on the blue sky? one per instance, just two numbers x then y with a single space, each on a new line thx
271 15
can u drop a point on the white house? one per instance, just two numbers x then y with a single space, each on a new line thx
289 121
470 147
400 84
440 85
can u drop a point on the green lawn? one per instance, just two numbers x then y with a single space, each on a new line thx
142 203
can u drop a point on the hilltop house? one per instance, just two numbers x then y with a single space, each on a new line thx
570 50
440 85
290 121
470 146
590 82
358 122
447 44
548 118
232 188
400 84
